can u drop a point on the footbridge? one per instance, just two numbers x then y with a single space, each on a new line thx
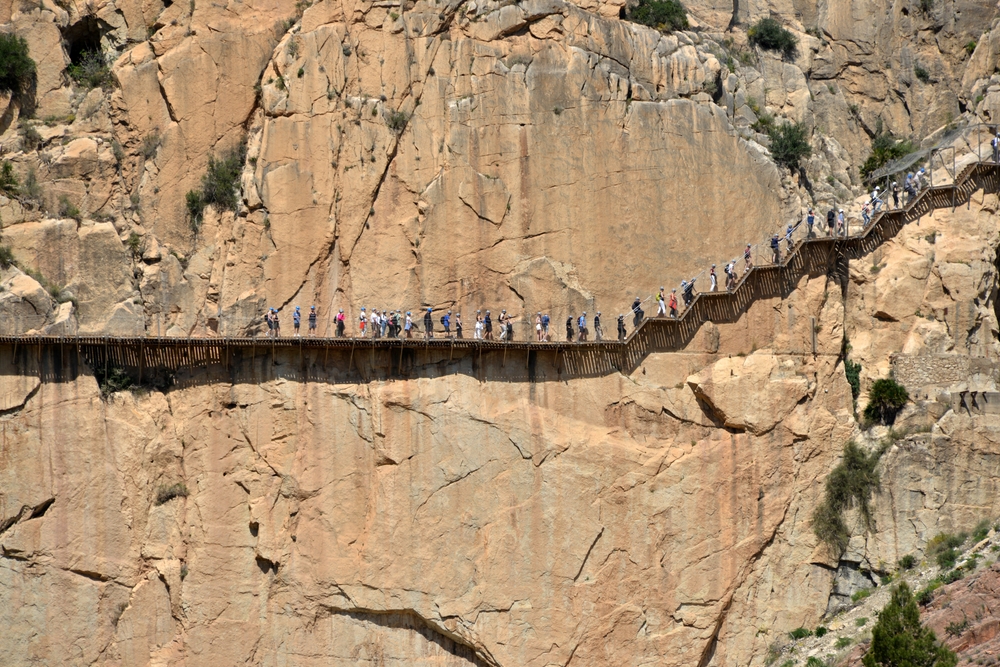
160 361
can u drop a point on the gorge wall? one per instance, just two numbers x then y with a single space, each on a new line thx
542 155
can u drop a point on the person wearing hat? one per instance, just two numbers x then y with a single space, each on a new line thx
408 324
598 331
775 249
621 327
637 313
546 320
895 194
446 323
582 326
810 221
269 320
502 321
297 322
748 259
362 322
277 323
714 286
312 321
661 304
428 324
673 302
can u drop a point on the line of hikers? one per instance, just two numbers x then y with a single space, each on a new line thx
396 324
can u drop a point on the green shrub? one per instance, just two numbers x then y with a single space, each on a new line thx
885 148
150 144
68 209
842 642
907 562
813 661
981 530
665 15
111 380
850 484
30 137
17 69
946 559
853 372
898 638
167 493
820 631
861 621
789 144
91 71
858 596
770 35
32 190
397 120
219 185
135 245
970 46
921 73
956 628
886 398
944 542
7 257
8 181
926 595
952 576
800 633
926 6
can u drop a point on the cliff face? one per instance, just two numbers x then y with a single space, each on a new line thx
544 155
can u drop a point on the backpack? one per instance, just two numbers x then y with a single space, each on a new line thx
545 320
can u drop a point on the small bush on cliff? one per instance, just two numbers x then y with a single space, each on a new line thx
91 71
111 380
885 399
789 144
898 638
8 180
770 35
17 69
850 484
7 257
800 633
885 148
219 185
167 493
666 15
853 372
942 548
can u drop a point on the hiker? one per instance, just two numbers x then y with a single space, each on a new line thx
312 321
362 322
384 322
458 325
673 303
373 323
446 323
748 259
502 321
788 237
477 330
637 311
688 292
582 325
876 200
510 329
730 270
841 224
865 215
598 331
545 327
776 249
277 323
340 323
569 328
296 322
895 195
810 221
661 304
921 179
538 327
621 328
996 148
270 323
714 279
428 324
831 215
488 326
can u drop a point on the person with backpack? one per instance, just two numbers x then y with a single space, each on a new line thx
673 303
831 217
895 194
661 304
446 323
488 326
866 216
510 329
545 327
637 311
269 321
598 331
569 329
788 237
458 325
810 221
621 328
688 292
502 321
582 326
428 324
339 320
775 249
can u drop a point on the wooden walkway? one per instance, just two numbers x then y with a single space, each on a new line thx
149 357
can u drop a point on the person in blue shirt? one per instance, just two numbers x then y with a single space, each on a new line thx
810 221
297 321
446 323
582 326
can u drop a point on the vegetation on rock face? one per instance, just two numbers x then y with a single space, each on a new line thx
219 185
853 372
8 181
850 484
789 144
666 15
898 637
167 493
885 148
886 398
770 35
17 69
92 71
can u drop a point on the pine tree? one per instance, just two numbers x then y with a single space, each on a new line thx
899 640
